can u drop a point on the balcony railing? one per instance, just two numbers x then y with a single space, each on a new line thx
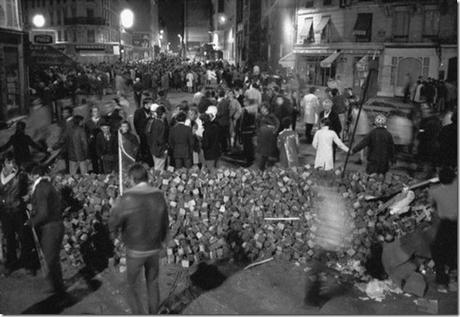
85 20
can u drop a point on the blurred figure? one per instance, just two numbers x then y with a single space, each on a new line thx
288 144
20 142
92 128
362 128
267 127
401 128
157 137
310 107
247 129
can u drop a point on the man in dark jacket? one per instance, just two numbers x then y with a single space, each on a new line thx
138 87
13 190
107 148
223 119
448 144
47 219
77 147
428 146
141 117
211 141
20 142
267 131
157 137
142 215
380 147
333 118
282 109
247 129
339 106
181 142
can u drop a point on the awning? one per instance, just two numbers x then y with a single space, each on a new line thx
363 63
288 60
363 24
322 24
305 30
327 62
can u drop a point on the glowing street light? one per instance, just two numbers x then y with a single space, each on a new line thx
127 18
161 31
38 20
222 19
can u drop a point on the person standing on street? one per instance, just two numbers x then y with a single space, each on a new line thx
138 88
107 148
310 107
323 143
157 137
444 248
267 129
93 128
13 191
339 106
210 142
20 142
142 215
288 144
380 147
47 219
141 117
181 142
223 119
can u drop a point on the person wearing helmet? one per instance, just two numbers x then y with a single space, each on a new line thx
380 147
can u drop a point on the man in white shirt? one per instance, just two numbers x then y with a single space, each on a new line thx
310 107
253 93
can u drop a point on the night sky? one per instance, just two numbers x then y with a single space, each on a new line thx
171 16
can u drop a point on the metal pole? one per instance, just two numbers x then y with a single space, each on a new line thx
120 163
366 88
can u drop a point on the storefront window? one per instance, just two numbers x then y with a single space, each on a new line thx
9 18
11 80
313 73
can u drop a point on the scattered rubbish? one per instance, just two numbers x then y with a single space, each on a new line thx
377 290
427 305
258 263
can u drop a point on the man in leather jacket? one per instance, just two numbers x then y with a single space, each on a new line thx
47 220
13 190
142 215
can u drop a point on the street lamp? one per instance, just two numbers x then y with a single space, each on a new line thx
182 51
38 20
126 21
222 19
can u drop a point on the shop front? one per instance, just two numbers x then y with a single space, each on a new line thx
13 79
402 66
341 66
12 75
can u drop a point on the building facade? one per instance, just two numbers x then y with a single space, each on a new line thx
224 28
197 25
335 39
89 31
249 32
13 70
